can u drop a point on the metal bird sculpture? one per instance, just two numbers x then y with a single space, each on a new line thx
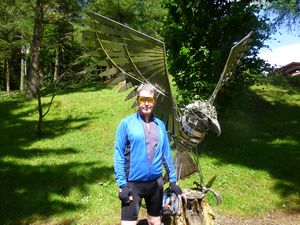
136 58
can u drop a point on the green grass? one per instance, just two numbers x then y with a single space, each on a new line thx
68 173
66 176
257 156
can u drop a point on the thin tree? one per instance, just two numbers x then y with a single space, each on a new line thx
7 76
55 14
23 67
34 83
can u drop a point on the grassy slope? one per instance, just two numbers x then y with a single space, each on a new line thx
257 155
67 176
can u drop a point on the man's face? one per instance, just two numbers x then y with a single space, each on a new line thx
146 103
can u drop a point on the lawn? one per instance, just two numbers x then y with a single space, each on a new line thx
66 176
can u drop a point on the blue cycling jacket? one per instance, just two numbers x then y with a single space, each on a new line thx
130 156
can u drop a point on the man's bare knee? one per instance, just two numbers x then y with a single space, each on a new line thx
128 222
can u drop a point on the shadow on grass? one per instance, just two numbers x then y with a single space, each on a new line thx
35 191
89 87
265 137
30 191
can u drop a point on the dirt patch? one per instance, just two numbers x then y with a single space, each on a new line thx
273 218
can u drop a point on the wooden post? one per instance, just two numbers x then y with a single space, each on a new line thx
195 210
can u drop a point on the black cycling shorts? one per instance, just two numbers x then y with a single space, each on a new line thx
151 191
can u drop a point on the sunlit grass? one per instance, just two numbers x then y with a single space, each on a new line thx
257 155
274 94
66 176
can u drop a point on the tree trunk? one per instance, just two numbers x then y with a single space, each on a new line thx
22 74
57 63
34 76
23 71
34 79
7 76
40 111
195 210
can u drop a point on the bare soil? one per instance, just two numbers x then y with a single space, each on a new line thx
273 218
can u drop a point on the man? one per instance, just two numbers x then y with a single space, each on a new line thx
141 148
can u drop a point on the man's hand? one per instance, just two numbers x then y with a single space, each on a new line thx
125 194
175 188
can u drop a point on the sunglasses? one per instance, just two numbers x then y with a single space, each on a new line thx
143 100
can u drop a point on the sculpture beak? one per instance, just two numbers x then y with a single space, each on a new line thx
215 126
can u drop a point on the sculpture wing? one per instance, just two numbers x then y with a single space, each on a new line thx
192 131
135 58
237 52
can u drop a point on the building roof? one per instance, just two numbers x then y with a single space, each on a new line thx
291 69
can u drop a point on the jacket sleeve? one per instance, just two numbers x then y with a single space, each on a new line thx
119 159
167 157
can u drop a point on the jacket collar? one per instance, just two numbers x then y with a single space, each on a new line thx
140 117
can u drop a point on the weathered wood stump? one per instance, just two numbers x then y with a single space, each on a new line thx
195 210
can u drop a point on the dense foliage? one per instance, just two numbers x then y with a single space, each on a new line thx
143 15
199 36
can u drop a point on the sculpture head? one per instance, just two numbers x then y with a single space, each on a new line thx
199 117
